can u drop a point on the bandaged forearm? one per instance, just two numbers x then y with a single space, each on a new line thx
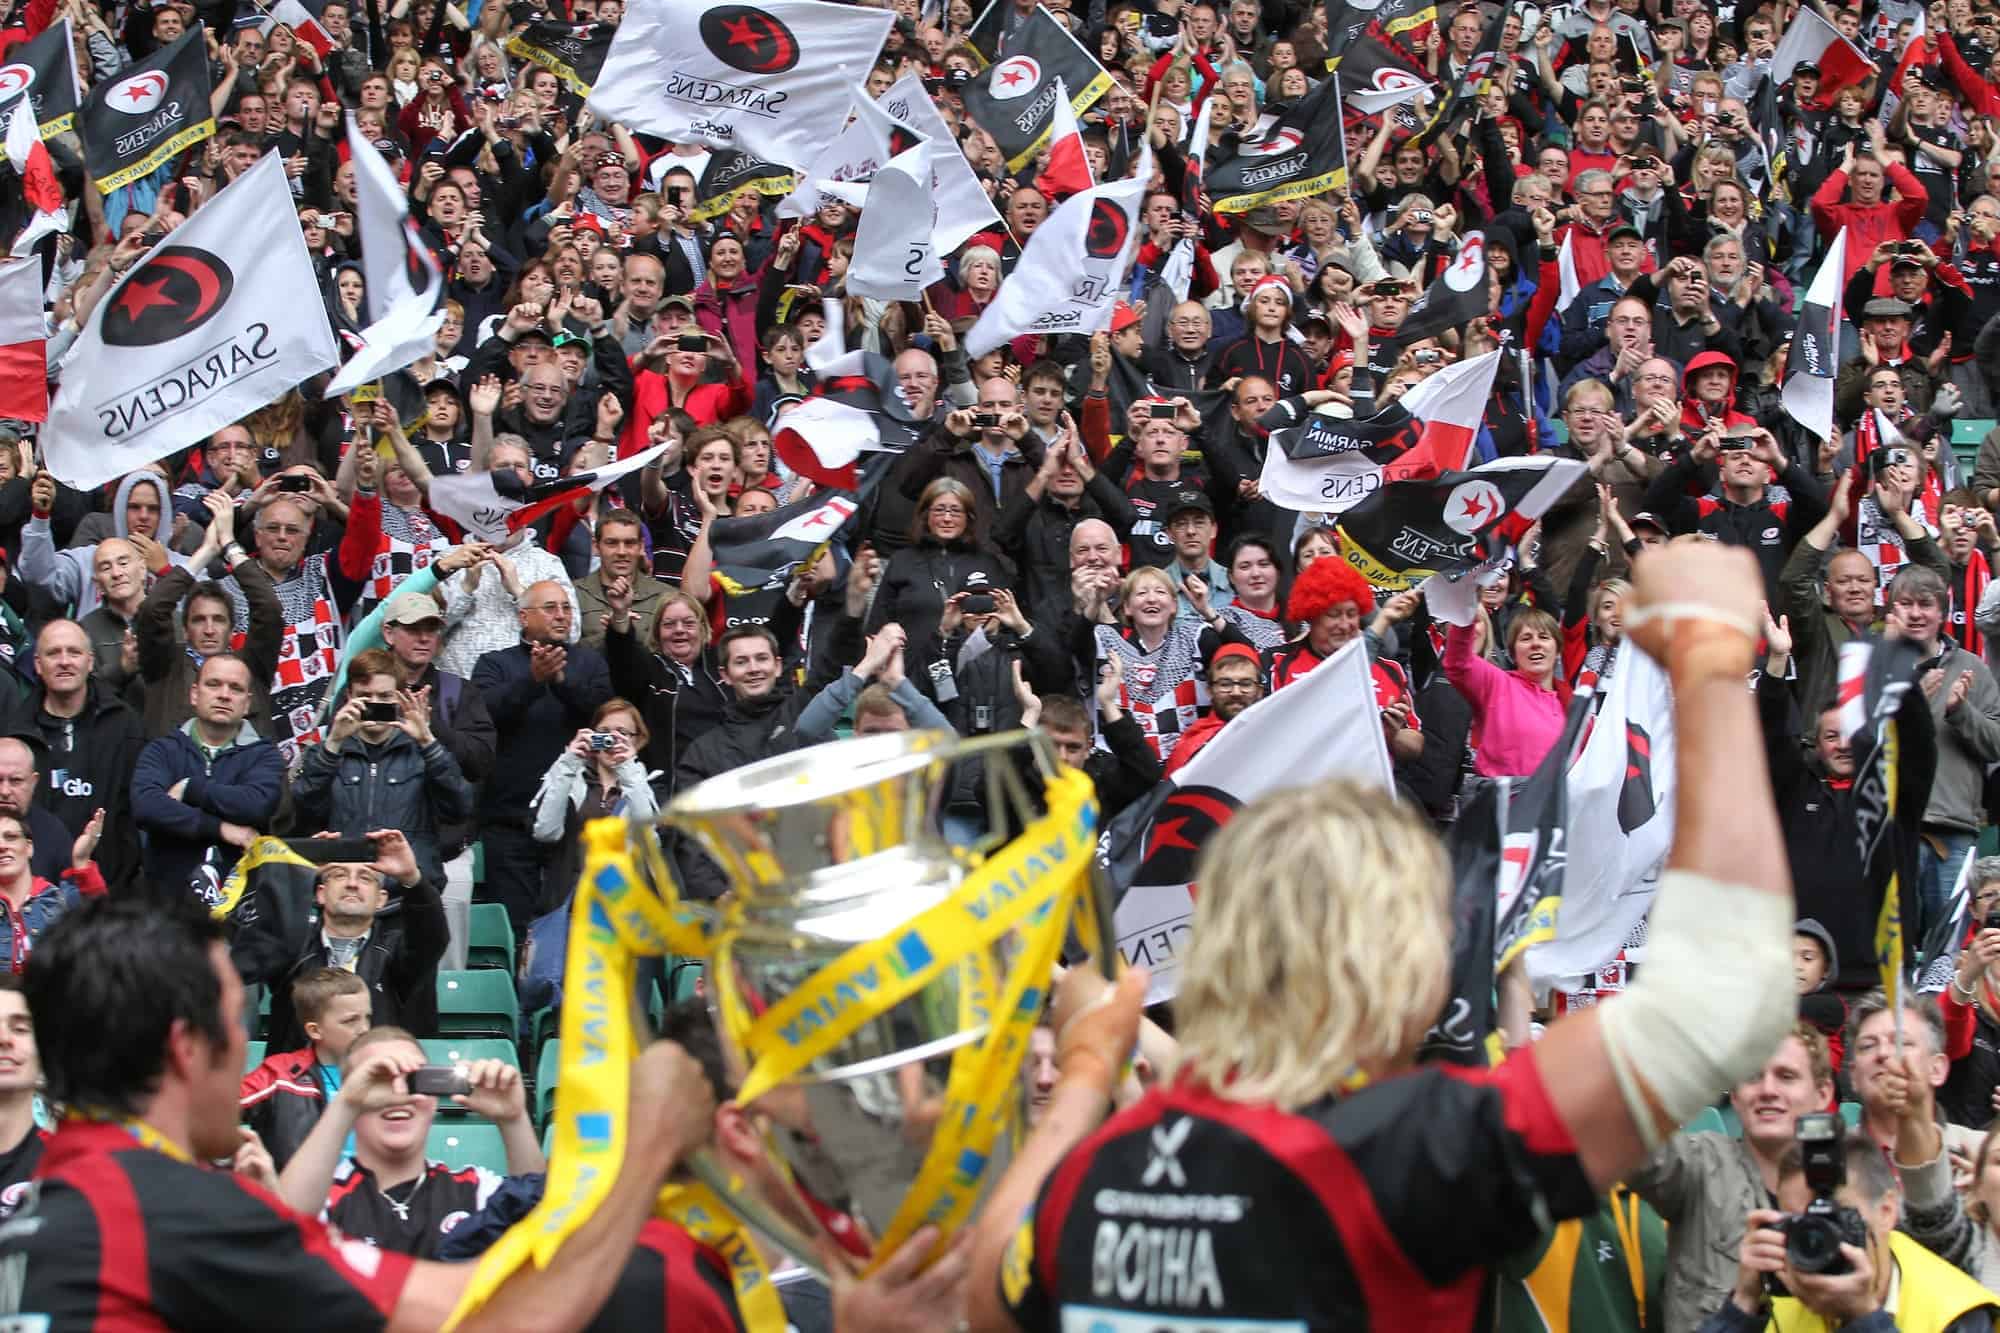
1713 1000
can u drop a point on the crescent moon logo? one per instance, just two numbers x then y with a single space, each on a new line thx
746 38
1473 505
1016 76
1469 269
15 80
1104 236
1283 141
1388 80
174 292
139 94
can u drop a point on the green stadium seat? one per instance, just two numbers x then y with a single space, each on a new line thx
478 1003
545 1081
451 1050
491 938
462 1143
253 1055
1970 430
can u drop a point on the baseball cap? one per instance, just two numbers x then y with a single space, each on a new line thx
1623 229
1644 519
587 222
681 299
411 608
571 338
1185 502
1123 317
980 580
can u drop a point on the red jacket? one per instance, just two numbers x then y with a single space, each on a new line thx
708 404
1868 225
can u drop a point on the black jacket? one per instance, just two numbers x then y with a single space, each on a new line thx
87 765
541 718
679 705
391 785
916 582
399 962
282 1100
459 719
1034 534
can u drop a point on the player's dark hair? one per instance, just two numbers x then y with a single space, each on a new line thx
106 985
689 1026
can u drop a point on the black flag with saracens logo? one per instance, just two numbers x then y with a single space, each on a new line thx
730 172
152 110
573 52
1015 99
1348 20
1458 297
759 553
44 70
1409 530
1303 153
1462 98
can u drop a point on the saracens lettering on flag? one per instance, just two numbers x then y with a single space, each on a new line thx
1409 530
1301 153
201 332
43 70
1331 467
573 52
730 171
1325 725
151 111
1015 100
770 78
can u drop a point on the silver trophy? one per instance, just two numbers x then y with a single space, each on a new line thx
825 848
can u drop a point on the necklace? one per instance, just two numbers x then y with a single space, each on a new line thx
403 1208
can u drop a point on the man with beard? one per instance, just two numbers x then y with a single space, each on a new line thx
90 741
1235 681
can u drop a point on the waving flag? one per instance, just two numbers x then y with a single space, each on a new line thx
867 141
1456 299
1015 100
1301 153
1329 465
1619 824
963 207
823 438
42 72
1462 98
151 111
760 553
1324 726
894 259
727 173
1073 268
1814 358
1408 531
24 375
1380 72
1347 21
573 52
29 157
220 318
770 79
404 284
493 506
1067 171
1811 40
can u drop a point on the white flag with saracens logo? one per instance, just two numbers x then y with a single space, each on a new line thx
771 79
220 318
405 287
963 207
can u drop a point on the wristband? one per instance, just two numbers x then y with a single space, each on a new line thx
1709 646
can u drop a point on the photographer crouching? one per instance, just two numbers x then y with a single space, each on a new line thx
1834 1259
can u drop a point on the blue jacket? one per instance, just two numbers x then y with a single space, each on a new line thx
537 719
241 785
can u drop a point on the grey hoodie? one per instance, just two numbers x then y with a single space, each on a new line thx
66 575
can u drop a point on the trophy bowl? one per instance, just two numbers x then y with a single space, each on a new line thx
913 1081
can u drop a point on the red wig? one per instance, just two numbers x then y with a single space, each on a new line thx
1328 582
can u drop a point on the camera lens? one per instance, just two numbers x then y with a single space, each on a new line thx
1812 1245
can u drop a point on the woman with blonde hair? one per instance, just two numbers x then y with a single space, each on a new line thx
1159 654
1315 958
669 671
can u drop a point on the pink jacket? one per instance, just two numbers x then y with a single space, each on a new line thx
1514 722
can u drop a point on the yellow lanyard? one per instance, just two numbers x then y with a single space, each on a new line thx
145 1134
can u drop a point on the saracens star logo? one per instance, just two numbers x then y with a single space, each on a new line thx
1016 76
1104 235
1282 141
1473 505
177 290
15 80
746 38
139 94
1187 819
417 271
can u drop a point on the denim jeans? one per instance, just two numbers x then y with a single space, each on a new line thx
1938 874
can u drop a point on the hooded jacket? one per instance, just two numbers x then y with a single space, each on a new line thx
90 761
66 575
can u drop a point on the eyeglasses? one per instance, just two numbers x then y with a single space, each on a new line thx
942 508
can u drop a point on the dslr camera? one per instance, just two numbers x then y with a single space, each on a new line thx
1813 1238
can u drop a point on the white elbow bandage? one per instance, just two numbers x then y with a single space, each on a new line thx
1711 1002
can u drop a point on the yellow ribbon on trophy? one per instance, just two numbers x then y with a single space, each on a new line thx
1036 884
